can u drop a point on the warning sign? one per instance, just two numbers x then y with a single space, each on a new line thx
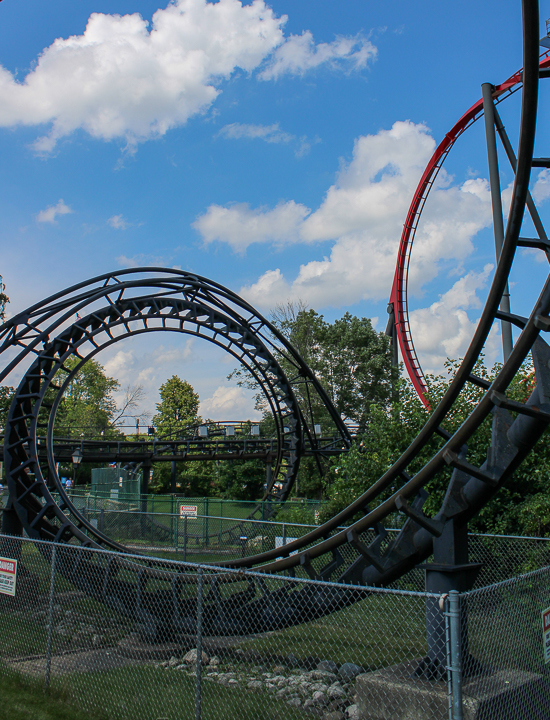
188 510
546 634
8 575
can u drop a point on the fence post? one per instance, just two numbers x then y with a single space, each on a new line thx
455 653
284 534
184 538
206 521
198 693
50 623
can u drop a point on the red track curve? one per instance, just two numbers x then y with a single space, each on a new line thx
398 295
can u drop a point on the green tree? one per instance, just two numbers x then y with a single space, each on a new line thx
521 507
6 396
350 359
178 407
88 408
240 479
194 478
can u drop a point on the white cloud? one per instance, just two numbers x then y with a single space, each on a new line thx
124 79
444 329
362 214
269 133
167 356
50 213
541 188
141 260
240 226
227 403
300 54
117 222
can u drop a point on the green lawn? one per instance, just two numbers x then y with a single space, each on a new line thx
25 699
133 693
376 632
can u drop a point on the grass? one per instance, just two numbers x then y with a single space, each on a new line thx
132 693
373 633
24 699
148 693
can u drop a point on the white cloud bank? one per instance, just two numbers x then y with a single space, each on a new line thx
444 330
228 403
50 214
362 215
124 79
300 54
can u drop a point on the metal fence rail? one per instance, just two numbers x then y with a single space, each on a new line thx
210 538
361 662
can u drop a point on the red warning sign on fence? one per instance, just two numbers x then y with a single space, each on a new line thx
8 575
546 634
188 510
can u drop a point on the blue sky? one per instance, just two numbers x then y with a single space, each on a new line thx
271 147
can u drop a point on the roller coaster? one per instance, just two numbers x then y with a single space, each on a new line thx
116 306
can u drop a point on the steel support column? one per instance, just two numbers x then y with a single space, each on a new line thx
496 202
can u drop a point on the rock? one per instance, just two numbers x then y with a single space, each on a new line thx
319 698
173 662
335 692
328 666
255 685
323 675
308 704
337 715
279 669
295 701
97 640
352 712
191 657
232 682
349 671
339 704
292 661
214 661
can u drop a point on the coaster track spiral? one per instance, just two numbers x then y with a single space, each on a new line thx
363 553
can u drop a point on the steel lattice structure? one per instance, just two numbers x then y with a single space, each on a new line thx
363 553
113 307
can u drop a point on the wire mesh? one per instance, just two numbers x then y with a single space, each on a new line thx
118 634
505 673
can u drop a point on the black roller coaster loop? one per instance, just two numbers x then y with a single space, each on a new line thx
364 552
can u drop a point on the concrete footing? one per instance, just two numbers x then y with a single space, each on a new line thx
394 693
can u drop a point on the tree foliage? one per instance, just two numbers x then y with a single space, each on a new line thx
522 506
178 407
350 359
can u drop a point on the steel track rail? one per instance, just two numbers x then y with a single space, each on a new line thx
363 552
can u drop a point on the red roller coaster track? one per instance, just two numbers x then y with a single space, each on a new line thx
398 297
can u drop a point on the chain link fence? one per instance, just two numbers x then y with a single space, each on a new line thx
120 636
209 538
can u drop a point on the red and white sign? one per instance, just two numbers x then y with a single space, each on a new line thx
8 576
546 634
188 510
